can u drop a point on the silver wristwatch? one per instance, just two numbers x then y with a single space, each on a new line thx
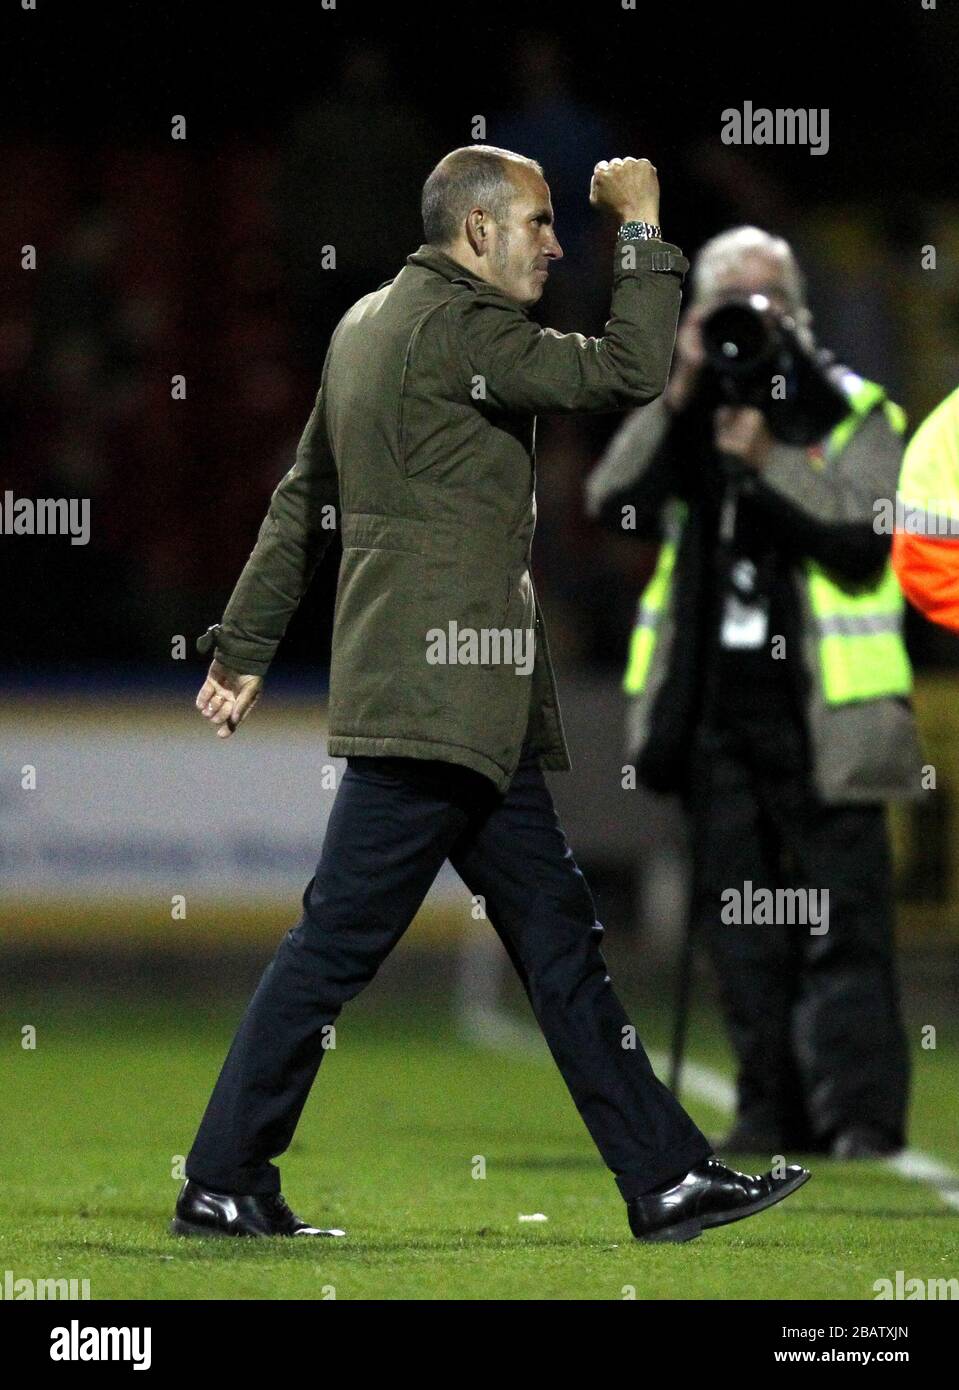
639 231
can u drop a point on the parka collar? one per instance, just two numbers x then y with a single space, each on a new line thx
434 259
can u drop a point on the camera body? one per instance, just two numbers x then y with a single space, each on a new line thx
754 356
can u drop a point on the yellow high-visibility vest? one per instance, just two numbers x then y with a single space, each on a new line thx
862 655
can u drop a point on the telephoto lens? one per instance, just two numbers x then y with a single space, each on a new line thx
739 342
754 357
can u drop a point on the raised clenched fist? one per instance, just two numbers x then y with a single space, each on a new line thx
629 188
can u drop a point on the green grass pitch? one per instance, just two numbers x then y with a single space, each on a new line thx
94 1118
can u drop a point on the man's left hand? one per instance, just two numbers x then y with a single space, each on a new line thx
741 431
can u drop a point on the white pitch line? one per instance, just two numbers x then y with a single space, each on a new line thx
706 1084
713 1088
921 1167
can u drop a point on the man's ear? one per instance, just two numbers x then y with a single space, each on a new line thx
477 231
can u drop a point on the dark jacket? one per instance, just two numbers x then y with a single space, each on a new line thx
422 441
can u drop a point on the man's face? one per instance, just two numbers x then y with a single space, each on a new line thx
523 245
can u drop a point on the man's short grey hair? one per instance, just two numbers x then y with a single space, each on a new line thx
470 177
723 252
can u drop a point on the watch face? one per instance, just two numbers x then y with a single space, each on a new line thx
639 231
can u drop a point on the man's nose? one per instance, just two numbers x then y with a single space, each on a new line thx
553 249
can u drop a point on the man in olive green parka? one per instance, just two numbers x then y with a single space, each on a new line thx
442 696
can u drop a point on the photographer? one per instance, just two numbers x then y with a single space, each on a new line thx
770 686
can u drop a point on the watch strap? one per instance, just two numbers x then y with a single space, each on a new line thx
640 231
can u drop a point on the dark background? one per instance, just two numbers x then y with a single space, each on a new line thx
309 127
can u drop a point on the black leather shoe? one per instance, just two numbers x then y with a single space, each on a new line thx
709 1195
864 1141
200 1212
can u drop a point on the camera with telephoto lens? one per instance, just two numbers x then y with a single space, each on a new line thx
754 356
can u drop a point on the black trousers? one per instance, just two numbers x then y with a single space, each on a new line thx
393 823
813 1018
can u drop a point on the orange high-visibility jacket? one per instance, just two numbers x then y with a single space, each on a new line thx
925 547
